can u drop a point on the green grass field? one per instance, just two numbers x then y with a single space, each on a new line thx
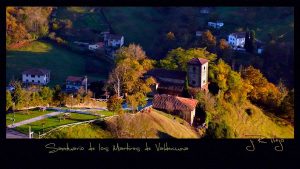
59 61
81 131
82 17
23 115
136 24
103 112
54 122
256 125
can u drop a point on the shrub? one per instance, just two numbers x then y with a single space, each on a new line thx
249 111
114 103
219 130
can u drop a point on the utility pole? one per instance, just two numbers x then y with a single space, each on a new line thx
85 78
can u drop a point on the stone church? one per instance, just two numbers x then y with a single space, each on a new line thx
173 82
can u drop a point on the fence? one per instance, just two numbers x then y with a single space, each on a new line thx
40 136
64 126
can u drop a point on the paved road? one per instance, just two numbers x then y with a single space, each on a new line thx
126 107
10 133
35 119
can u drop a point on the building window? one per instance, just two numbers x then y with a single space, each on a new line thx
38 81
27 80
204 67
203 81
32 80
193 82
194 69
32 75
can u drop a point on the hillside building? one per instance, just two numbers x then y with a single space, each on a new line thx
96 46
185 108
216 25
198 73
237 39
173 82
167 81
112 40
36 76
74 83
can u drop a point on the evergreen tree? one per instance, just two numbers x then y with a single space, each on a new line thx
250 41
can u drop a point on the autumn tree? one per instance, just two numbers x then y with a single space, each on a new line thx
46 95
208 40
59 97
232 87
170 36
114 104
9 101
177 59
126 78
18 95
26 23
263 91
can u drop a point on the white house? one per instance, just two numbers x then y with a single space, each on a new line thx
237 39
216 25
36 76
113 40
96 46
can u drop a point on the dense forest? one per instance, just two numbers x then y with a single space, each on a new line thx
26 23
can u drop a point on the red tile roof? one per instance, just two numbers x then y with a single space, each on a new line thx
169 102
36 71
200 61
75 79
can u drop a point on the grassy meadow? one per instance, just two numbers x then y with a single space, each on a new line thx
138 25
59 61
24 115
254 125
155 124
81 131
53 122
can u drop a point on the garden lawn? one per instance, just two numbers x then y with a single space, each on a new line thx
23 115
81 131
54 122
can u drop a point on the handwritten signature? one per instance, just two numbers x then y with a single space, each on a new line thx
262 140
